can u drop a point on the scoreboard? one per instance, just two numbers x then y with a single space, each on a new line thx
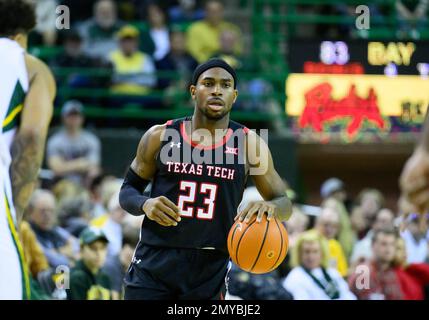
357 90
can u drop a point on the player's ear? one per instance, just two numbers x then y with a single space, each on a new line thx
192 89
235 95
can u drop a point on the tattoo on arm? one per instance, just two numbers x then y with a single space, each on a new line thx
27 155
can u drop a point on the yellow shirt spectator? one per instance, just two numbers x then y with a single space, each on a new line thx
202 39
33 252
337 259
133 74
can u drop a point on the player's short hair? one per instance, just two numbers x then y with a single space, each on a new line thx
17 16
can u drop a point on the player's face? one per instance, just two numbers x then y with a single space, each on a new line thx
311 254
94 254
214 93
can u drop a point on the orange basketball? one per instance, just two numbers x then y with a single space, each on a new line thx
258 247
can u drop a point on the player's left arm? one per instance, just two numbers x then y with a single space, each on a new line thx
29 142
268 182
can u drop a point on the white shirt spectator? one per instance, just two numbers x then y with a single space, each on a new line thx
303 287
46 16
417 251
86 145
161 39
362 248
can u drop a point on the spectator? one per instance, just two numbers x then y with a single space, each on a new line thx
111 224
73 152
335 196
311 278
82 9
202 38
97 207
328 224
58 245
74 214
109 186
177 61
38 266
369 202
414 277
45 31
296 225
87 281
412 17
415 239
158 31
74 57
65 189
33 252
362 249
134 71
185 11
117 267
228 41
382 282
347 10
98 32
248 286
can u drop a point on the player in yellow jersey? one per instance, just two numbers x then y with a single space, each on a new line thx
27 91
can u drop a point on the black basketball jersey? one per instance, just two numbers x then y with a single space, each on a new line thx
207 187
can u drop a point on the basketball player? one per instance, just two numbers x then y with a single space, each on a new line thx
182 252
414 180
27 90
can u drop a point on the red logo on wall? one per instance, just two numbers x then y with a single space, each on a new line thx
321 108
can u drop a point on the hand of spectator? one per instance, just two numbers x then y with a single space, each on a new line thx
162 211
414 184
83 165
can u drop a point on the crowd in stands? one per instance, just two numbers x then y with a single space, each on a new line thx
373 259
144 47
342 249
349 249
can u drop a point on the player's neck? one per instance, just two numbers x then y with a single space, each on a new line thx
199 122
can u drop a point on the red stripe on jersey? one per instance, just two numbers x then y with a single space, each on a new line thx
199 146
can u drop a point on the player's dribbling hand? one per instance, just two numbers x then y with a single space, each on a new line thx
162 211
259 208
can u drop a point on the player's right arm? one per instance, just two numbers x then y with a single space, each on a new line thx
29 142
141 172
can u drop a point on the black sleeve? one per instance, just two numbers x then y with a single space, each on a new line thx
131 196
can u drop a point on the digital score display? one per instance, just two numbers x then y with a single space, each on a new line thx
357 90
359 57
